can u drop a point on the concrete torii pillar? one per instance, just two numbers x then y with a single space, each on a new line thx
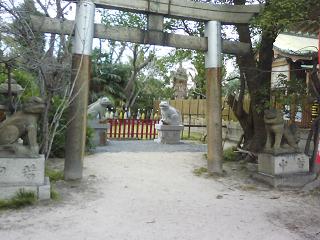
81 71
214 117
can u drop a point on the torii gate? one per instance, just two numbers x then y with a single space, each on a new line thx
85 30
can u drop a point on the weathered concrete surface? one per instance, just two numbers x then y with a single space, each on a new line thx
156 196
27 171
42 191
100 132
168 134
285 170
23 173
283 164
294 180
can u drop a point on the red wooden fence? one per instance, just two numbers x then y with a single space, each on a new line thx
132 129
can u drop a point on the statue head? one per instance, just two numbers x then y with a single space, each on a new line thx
34 105
164 105
273 113
105 102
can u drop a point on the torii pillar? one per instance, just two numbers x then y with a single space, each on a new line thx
81 72
213 64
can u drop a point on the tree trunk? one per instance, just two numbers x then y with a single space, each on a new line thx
258 80
45 125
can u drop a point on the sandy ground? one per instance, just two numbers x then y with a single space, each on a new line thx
155 195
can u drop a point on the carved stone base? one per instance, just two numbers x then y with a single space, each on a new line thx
23 173
283 164
100 136
286 180
168 134
285 170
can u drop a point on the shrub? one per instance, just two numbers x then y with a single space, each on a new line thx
229 154
21 199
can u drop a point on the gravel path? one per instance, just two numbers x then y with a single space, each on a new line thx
151 146
154 195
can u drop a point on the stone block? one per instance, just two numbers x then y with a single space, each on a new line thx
168 134
95 124
22 171
99 136
286 180
283 164
44 191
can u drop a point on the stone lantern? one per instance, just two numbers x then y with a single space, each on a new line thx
180 80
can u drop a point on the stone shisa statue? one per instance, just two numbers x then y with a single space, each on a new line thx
170 125
20 163
281 138
98 109
281 164
96 113
21 125
169 115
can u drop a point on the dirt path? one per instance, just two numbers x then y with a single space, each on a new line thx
143 195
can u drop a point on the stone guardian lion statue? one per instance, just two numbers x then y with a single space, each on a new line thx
21 125
281 138
169 115
98 109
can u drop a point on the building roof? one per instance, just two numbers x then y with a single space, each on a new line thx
296 46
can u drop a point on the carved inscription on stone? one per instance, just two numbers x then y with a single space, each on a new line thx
283 164
300 163
2 171
29 171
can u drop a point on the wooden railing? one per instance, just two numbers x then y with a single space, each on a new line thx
132 129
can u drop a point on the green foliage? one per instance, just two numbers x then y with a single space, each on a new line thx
24 42
279 14
89 137
194 136
229 154
151 89
230 87
200 78
54 175
58 144
199 171
248 187
109 79
290 91
23 78
27 81
21 199
126 19
55 196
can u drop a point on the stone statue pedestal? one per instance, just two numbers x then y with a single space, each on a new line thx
23 173
168 134
284 170
100 130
